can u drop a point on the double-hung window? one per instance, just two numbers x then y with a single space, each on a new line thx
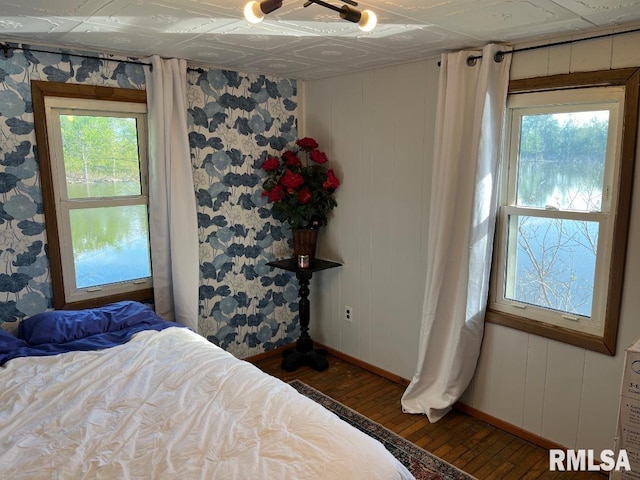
95 182
555 270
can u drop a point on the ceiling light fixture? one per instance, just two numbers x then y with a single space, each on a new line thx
254 12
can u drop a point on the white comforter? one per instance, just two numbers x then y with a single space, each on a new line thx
171 405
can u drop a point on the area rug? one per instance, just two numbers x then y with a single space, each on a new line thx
422 464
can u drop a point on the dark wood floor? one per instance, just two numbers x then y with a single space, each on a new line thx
464 441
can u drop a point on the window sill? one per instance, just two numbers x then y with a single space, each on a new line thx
603 344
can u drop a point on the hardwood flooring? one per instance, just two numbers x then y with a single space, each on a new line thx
478 448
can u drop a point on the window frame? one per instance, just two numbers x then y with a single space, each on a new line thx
547 103
629 78
63 296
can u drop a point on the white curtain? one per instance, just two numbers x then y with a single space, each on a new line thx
470 108
173 224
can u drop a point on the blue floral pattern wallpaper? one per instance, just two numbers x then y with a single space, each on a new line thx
234 121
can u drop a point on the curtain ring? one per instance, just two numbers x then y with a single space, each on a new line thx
471 61
499 56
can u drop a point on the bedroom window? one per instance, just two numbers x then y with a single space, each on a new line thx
562 222
92 153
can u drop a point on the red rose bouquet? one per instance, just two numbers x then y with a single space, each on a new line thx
301 189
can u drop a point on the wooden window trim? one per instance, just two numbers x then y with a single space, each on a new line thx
630 79
39 91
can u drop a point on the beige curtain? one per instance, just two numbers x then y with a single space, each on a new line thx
173 223
471 103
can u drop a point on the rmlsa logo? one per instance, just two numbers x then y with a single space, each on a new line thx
586 460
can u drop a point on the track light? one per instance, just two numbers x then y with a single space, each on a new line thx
255 11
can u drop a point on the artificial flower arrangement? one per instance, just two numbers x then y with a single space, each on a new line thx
301 193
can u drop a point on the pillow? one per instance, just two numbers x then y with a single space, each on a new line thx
9 343
60 326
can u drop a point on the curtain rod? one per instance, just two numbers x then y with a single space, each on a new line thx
499 56
5 49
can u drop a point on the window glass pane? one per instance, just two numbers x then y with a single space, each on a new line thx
561 160
551 263
100 156
110 244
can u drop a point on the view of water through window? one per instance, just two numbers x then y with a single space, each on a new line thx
561 160
110 244
555 263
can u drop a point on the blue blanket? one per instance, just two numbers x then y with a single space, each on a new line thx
60 331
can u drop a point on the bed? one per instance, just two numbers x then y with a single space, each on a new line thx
118 393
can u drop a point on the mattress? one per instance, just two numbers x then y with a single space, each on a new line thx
169 404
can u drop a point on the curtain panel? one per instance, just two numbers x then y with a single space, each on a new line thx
173 224
470 110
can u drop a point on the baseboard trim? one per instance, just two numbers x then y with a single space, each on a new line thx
471 411
364 365
508 427
269 354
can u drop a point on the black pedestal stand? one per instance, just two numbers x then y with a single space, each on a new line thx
303 353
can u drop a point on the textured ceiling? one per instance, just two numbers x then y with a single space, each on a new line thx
298 42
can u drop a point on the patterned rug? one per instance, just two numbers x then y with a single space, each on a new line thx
422 464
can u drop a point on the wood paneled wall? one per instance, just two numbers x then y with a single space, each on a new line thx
378 127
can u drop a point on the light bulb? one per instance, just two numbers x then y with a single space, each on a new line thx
252 12
368 21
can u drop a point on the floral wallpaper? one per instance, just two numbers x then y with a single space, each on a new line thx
234 121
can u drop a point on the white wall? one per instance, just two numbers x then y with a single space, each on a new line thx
378 128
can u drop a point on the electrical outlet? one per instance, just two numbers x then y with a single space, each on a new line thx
348 314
